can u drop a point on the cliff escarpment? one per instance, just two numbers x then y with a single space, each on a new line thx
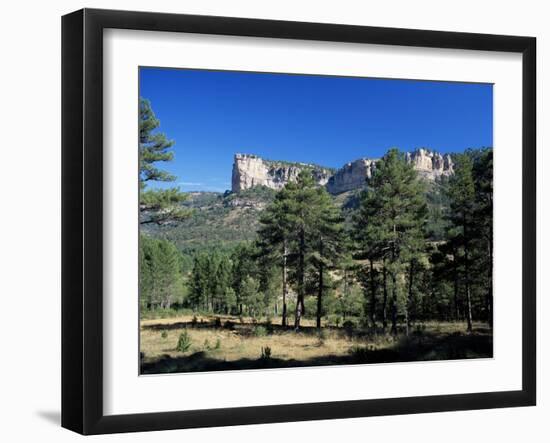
250 170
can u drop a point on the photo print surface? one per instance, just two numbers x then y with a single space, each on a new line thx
293 220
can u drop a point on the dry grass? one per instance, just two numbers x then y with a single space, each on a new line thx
238 345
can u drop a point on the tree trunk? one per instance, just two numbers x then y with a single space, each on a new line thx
301 282
319 297
285 286
455 278
320 290
489 296
372 297
385 301
394 287
409 298
467 280
394 304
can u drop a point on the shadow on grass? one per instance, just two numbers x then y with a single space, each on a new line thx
241 328
417 347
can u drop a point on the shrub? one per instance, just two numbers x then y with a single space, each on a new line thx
194 321
259 331
218 322
218 344
164 334
184 342
269 325
334 320
349 326
266 353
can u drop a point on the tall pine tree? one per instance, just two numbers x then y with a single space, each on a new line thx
157 205
461 193
394 213
275 237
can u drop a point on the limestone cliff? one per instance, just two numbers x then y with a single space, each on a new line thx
351 176
250 170
430 164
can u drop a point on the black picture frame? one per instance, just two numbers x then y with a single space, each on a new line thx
82 218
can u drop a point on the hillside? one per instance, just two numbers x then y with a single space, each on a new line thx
223 220
217 219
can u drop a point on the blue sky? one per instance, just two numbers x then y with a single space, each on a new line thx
330 121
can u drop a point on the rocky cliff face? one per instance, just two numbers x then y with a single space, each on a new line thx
430 164
353 175
251 170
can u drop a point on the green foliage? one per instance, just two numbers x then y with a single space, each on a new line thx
302 231
259 331
438 202
470 194
164 334
409 251
210 283
184 342
158 205
256 194
390 226
161 283
243 283
215 221
252 297
154 147
162 205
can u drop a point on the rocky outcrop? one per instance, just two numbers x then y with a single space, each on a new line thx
250 170
430 164
353 175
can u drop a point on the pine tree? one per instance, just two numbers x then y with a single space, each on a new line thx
368 236
222 278
160 277
326 237
274 239
302 230
146 282
392 223
300 206
244 266
200 282
461 193
252 297
483 215
160 205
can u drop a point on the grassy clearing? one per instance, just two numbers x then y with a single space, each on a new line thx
224 342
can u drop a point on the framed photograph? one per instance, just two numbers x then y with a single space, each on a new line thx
304 221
